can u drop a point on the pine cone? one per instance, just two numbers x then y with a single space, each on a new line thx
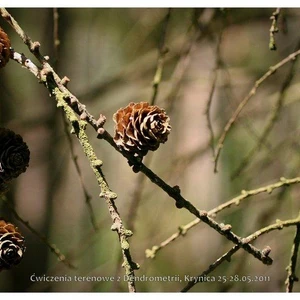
14 155
4 48
141 127
11 245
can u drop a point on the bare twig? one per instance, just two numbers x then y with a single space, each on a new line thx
232 100
32 46
291 269
244 102
212 267
162 51
274 29
218 64
182 230
61 257
274 117
226 257
56 41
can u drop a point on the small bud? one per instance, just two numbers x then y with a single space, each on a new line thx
266 251
65 81
83 116
101 121
100 132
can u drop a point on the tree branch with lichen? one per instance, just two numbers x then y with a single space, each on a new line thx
78 128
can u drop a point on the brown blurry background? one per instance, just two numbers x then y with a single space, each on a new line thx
110 55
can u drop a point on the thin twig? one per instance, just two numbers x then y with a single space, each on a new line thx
61 257
274 117
32 46
162 51
244 102
218 64
56 41
232 100
212 267
197 29
274 29
87 196
182 230
291 269
226 257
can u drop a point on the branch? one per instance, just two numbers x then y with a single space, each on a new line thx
218 64
42 238
291 269
244 102
274 117
212 267
79 127
56 41
32 46
87 196
274 29
226 257
160 61
182 230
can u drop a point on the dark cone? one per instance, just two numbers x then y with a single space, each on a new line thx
12 246
14 155
141 127
4 48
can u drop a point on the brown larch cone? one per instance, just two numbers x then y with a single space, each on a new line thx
140 127
4 48
14 155
12 246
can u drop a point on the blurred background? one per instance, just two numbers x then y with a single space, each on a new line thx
111 55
